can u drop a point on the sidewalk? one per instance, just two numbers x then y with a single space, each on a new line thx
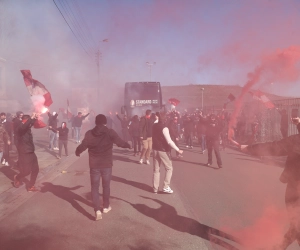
49 165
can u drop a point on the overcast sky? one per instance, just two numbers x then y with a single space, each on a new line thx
192 42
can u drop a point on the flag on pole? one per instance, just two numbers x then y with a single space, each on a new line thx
230 98
258 95
174 101
36 88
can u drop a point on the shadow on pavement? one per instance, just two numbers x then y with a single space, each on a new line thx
123 151
30 237
66 194
122 158
8 172
197 163
138 185
167 215
247 159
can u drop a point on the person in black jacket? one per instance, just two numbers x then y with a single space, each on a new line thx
213 130
162 144
188 131
290 147
77 123
99 142
63 133
134 131
173 130
27 158
124 125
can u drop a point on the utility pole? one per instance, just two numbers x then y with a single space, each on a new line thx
202 89
98 58
150 66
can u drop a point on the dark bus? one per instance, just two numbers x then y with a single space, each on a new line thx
140 96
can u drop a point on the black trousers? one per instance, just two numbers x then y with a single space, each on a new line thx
136 144
189 139
62 143
28 165
213 144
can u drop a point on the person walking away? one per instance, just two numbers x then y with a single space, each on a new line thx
99 142
77 122
8 128
188 130
4 140
134 131
213 130
146 124
27 157
63 133
52 122
162 144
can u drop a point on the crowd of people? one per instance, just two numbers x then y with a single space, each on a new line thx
209 131
154 133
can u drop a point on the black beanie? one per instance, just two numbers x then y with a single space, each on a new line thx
101 120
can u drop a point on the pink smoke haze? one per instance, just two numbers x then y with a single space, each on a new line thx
281 67
266 232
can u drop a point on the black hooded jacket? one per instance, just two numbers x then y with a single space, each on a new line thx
99 142
63 132
24 137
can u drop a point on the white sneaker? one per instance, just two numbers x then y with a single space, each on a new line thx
98 215
141 161
3 162
56 148
168 190
6 164
106 210
148 162
187 146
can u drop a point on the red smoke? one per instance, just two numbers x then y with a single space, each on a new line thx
266 232
281 67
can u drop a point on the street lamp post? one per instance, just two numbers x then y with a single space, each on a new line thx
202 89
150 66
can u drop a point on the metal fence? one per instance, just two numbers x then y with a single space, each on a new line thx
270 119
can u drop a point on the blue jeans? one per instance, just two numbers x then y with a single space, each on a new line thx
53 139
203 142
77 133
95 174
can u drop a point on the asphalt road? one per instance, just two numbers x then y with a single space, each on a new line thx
240 206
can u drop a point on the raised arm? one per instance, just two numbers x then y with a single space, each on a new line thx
275 148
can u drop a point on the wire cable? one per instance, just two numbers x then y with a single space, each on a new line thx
70 28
